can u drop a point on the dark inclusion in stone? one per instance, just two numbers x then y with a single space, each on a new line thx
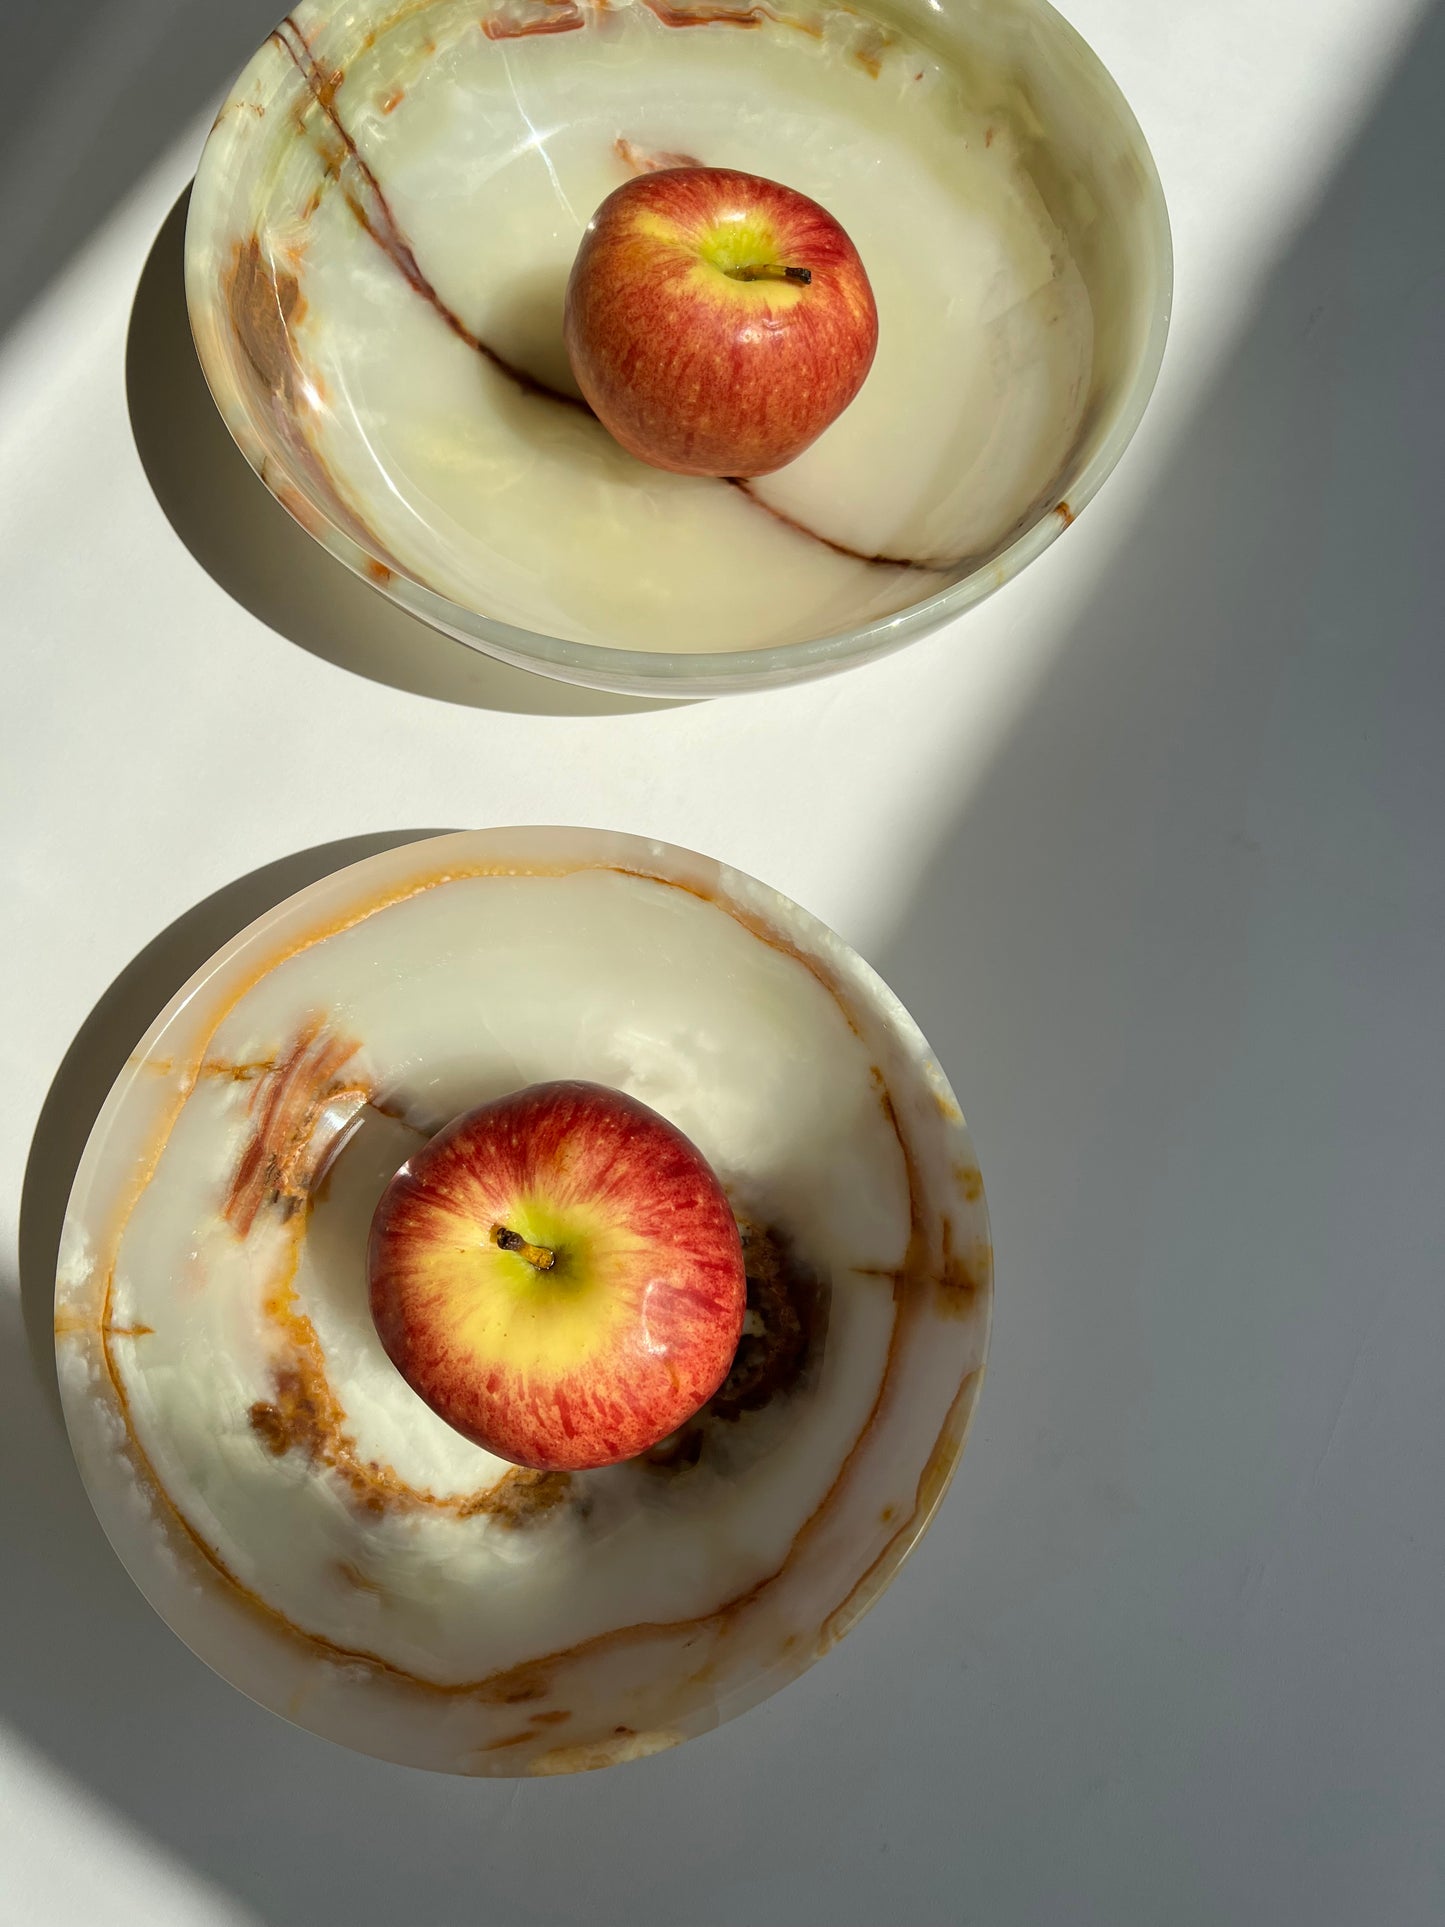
787 1317
785 1300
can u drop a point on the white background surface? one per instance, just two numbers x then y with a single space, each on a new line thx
1151 845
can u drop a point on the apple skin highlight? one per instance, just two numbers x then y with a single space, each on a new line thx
559 1276
717 322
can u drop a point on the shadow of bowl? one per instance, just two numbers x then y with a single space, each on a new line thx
248 544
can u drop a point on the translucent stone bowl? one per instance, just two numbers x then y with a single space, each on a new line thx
219 1134
379 236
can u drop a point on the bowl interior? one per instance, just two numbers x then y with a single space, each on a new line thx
379 239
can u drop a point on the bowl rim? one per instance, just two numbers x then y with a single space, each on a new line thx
674 674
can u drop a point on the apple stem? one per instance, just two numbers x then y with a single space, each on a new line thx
766 271
537 1255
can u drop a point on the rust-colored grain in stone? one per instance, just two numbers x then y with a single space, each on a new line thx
305 1415
969 1180
878 561
514 1687
357 1579
716 15
237 1073
641 161
302 1417
520 1499
932 1483
869 55
279 1161
558 16
264 305
961 1281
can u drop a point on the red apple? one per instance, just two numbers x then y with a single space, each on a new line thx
558 1274
717 322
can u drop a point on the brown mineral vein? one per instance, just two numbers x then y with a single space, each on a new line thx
265 305
556 16
933 1482
375 216
280 1160
838 548
305 1416
709 15
962 1281
284 1154
642 162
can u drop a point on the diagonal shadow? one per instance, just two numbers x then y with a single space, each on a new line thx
102 90
1076 951
1182 953
1076 955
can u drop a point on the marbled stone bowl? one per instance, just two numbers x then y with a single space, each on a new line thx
379 238
286 1502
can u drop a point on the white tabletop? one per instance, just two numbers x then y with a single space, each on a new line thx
1150 844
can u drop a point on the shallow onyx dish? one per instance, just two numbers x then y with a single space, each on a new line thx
285 1500
379 238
